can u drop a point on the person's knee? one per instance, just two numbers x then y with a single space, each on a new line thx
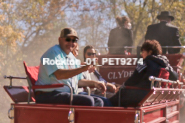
89 101
98 102
84 100
62 98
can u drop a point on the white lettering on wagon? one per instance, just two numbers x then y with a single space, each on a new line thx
119 74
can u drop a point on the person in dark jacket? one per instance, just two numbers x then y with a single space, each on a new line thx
164 32
120 36
153 61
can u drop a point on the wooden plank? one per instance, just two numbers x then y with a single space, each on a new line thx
158 120
172 114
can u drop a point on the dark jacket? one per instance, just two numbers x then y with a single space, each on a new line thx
151 67
140 78
119 37
166 34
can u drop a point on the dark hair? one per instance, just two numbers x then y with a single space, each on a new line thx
122 20
152 45
86 48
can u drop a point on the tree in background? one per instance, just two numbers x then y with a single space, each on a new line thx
94 19
143 13
36 24
30 27
27 29
10 35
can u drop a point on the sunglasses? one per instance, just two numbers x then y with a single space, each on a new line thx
89 54
73 40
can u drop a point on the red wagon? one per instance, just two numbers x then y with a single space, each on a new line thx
159 105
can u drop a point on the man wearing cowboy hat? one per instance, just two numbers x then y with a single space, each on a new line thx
164 32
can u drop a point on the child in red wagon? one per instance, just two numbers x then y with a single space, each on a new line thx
153 61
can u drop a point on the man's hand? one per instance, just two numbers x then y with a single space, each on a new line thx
92 84
117 89
100 86
91 69
86 67
83 63
68 73
111 87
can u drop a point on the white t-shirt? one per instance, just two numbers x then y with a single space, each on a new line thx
90 76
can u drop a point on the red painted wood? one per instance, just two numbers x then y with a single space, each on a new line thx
174 118
58 114
117 74
175 59
153 112
158 120
47 113
150 116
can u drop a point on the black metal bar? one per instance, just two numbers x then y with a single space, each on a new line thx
13 77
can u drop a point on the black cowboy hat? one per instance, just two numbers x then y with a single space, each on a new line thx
165 14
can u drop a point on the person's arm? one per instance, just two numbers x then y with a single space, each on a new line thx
130 40
148 35
111 41
137 75
111 87
91 83
65 74
176 41
173 75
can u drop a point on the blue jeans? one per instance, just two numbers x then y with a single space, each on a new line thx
106 101
56 97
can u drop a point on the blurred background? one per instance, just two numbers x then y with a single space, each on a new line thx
29 27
